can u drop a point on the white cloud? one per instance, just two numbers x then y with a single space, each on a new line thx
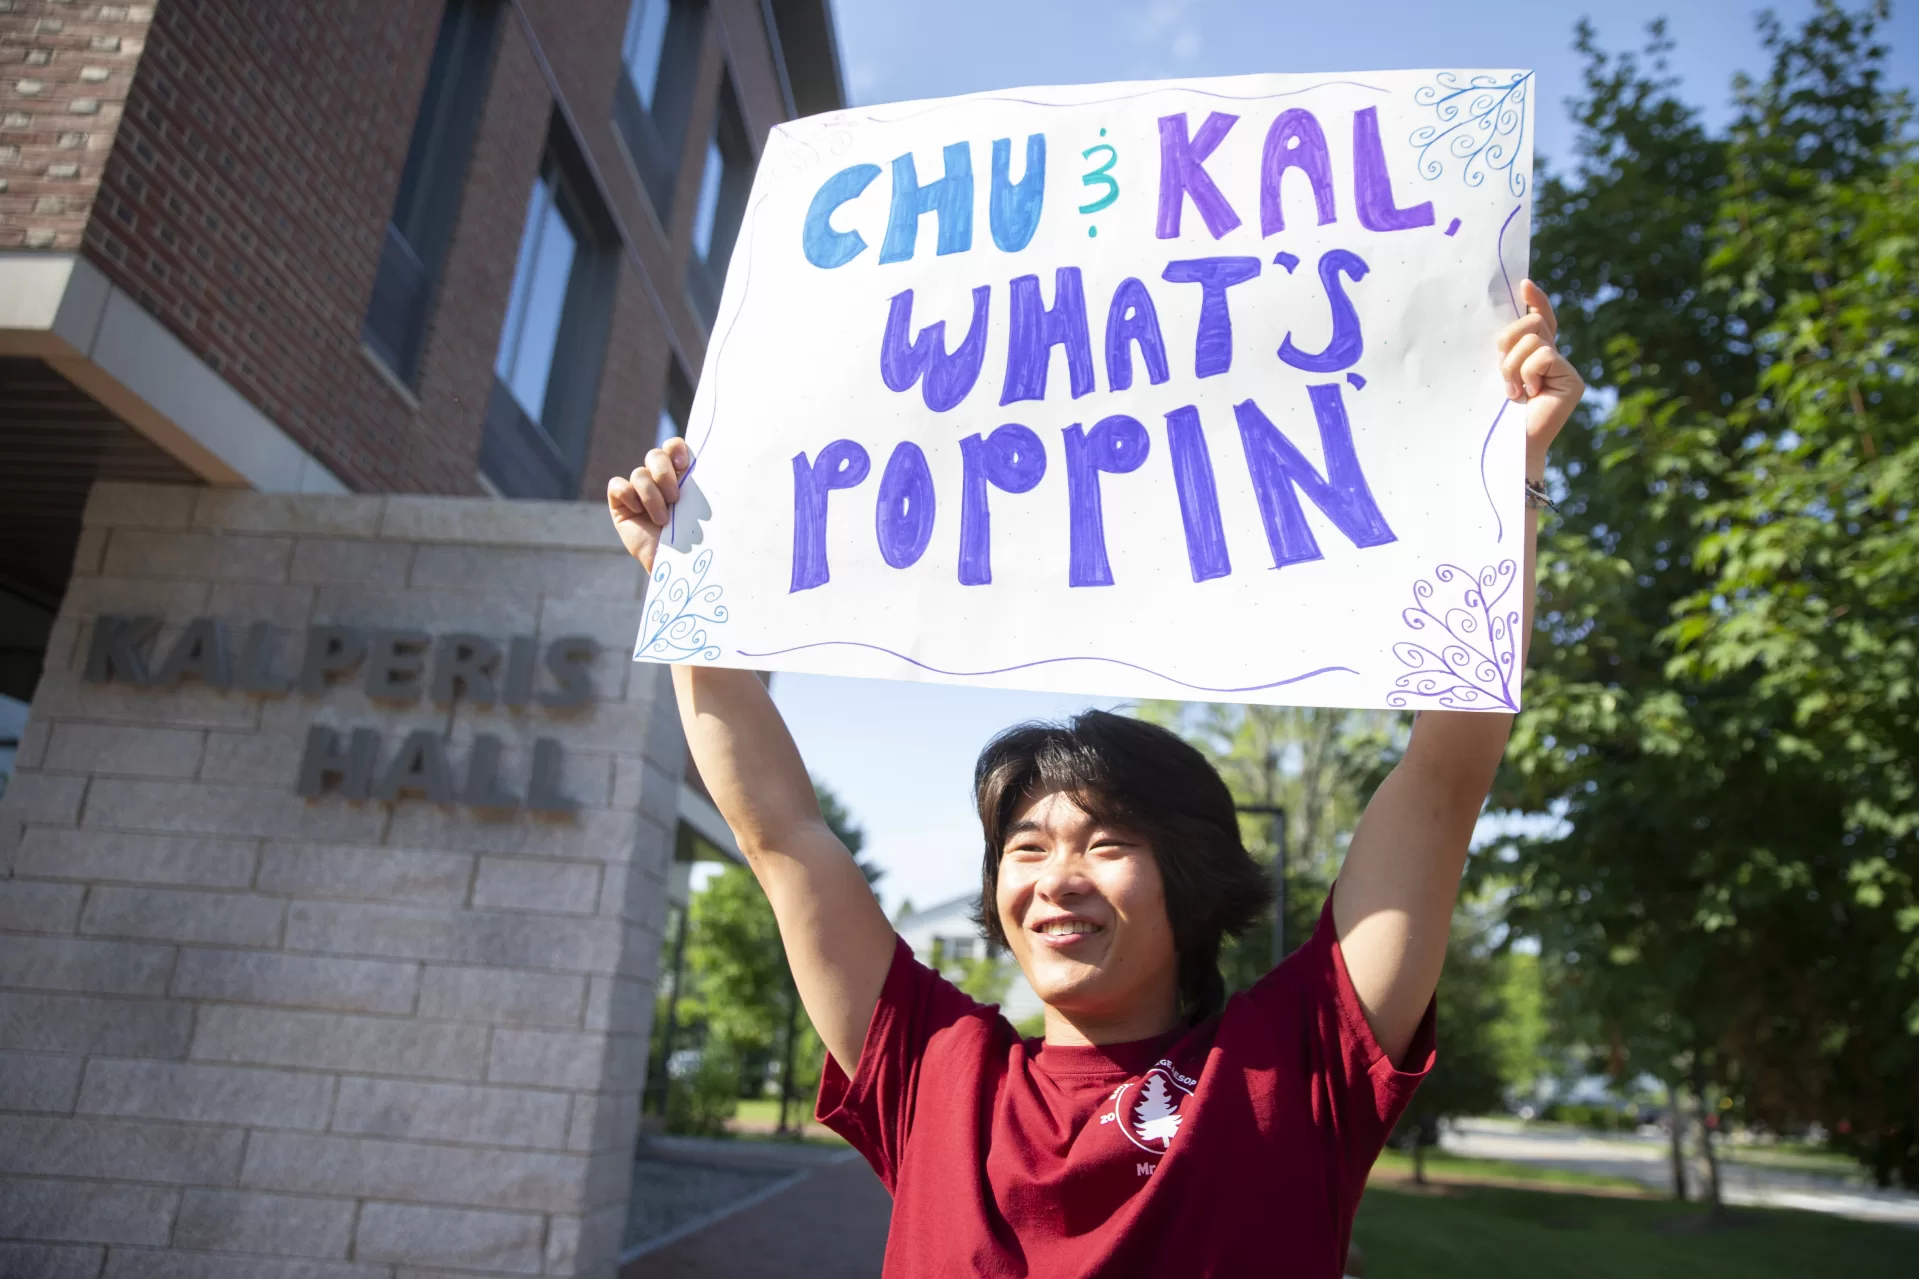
1170 30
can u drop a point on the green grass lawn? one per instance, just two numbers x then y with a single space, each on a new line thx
1487 1232
1443 1166
1792 1157
762 1113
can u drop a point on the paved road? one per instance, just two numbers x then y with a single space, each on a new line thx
1646 1160
829 1224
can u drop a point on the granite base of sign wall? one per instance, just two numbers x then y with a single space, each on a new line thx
391 1028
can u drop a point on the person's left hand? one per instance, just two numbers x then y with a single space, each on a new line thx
1538 376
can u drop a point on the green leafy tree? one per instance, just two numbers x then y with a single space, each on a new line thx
741 1004
1723 711
1467 1077
1318 764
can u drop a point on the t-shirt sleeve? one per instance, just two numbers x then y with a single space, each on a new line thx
873 1108
1357 1092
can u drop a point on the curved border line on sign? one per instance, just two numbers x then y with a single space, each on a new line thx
1044 661
718 352
1512 299
1499 524
1123 97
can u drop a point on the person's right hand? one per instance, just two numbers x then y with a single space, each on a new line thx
641 502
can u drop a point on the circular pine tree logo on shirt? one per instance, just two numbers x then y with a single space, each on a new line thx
1148 1111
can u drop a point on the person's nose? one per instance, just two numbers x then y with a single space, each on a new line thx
1062 880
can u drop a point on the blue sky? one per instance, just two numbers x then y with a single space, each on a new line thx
901 755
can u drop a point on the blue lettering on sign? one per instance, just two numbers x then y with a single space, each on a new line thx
1012 458
825 246
1014 208
949 200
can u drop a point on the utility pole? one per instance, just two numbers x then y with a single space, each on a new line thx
786 1067
657 1082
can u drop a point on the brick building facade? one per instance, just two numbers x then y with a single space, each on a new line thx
261 266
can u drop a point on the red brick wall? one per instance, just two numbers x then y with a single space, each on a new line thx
245 197
64 72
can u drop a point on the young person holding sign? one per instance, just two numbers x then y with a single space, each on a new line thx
1157 1127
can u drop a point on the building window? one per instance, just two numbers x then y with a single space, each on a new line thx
652 104
726 178
413 252
548 248
546 371
645 42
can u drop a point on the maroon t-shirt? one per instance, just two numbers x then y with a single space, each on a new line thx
1238 1147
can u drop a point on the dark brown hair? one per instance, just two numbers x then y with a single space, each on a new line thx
1139 775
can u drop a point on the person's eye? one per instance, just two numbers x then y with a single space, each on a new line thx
1026 852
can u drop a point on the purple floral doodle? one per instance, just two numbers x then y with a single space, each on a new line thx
1469 657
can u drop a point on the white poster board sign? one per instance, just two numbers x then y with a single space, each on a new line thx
1177 389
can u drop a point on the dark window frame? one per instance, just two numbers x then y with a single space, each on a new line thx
655 137
706 276
542 458
676 402
432 184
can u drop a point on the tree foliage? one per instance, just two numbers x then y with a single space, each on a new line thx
1724 710
740 999
1469 1075
1318 764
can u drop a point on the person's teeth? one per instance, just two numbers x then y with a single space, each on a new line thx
1062 926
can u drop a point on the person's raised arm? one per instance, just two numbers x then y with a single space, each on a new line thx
837 939
1393 903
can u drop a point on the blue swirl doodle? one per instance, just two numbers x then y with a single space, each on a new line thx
1473 659
1485 120
1045 661
678 611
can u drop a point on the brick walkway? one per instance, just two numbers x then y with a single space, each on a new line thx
831 1225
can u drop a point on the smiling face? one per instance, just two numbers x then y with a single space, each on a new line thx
1084 911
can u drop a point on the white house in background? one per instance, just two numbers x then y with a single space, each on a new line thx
950 925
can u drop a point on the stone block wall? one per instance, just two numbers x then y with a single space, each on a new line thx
247 1035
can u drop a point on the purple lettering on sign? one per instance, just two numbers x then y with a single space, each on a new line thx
1182 173
1132 318
1347 344
1294 142
1012 460
1198 497
1036 329
1279 469
840 465
1117 446
1213 347
948 376
903 520
1374 185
